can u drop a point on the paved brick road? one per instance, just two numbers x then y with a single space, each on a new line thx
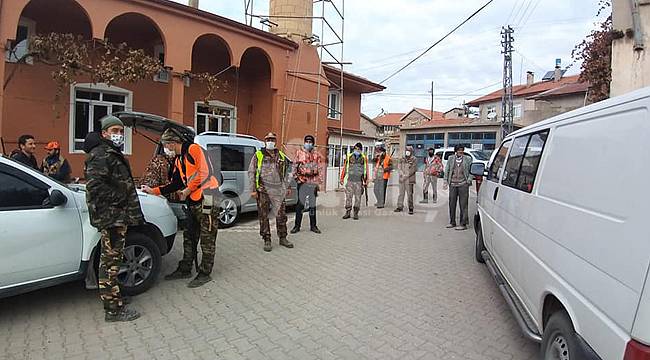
386 287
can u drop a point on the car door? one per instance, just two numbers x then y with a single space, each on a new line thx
37 241
489 193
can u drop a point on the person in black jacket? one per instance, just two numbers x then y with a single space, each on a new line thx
25 152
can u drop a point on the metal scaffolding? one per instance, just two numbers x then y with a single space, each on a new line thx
507 106
329 17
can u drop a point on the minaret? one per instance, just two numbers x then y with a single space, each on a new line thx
293 18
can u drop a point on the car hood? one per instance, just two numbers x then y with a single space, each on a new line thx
154 124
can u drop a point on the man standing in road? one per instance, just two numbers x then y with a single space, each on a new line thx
459 179
407 168
308 172
269 174
432 169
55 165
355 178
25 152
193 179
113 206
383 166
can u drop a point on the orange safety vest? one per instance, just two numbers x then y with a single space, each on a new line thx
386 166
196 176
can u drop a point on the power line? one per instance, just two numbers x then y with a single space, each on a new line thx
512 11
531 13
437 42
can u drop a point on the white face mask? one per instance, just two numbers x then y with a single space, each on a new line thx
270 145
408 153
169 152
117 139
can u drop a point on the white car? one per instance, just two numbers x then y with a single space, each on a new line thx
478 156
565 235
46 237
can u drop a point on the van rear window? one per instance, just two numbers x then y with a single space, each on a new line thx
523 161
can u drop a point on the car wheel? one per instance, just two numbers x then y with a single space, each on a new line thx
479 246
559 341
229 211
141 265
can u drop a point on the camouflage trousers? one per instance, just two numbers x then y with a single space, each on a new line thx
430 181
201 229
265 208
405 189
112 254
353 189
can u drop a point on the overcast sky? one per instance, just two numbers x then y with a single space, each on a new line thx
383 35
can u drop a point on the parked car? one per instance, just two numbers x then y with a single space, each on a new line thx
565 235
230 155
481 156
46 237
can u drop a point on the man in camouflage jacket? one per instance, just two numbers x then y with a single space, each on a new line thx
407 169
269 174
113 206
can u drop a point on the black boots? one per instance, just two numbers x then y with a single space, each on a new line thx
347 214
356 213
200 280
120 315
286 243
267 245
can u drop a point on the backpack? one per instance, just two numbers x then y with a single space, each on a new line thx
211 169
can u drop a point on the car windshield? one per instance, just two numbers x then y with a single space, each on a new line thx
481 155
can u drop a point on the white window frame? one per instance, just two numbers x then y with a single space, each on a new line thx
102 88
164 75
517 111
337 105
219 104
31 31
491 109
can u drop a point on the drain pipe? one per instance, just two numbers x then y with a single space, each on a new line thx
636 26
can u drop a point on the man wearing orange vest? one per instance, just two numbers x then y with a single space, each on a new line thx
383 166
195 184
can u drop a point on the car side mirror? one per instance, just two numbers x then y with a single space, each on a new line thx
56 198
477 169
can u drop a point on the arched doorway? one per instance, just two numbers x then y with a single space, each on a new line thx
218 111
255 96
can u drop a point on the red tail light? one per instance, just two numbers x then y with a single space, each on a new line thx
637 351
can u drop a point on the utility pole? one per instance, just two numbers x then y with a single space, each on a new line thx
432 101
506 100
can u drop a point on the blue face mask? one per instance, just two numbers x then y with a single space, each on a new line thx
356 152
309 146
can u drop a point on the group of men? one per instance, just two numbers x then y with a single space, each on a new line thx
53 165
456 175
113 203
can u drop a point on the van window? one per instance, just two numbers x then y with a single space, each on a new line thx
498 162
515 159
531 161
231 157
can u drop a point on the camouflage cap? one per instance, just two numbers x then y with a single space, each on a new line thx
171 136
111 120
270 135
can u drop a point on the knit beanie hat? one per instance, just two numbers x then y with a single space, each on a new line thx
109 121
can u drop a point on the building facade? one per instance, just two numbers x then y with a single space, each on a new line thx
534 101
630 60
261 70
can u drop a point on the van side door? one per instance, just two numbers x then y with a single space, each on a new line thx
490 191
514 200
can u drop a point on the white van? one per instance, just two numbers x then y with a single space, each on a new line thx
565 232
